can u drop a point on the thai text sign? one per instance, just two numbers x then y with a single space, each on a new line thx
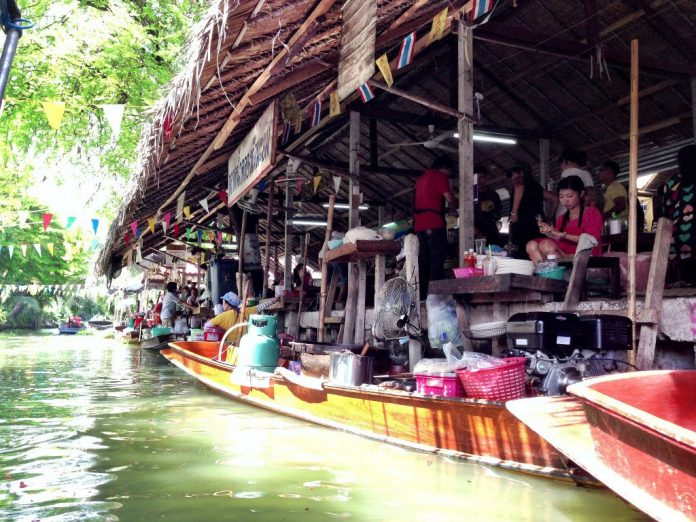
254 157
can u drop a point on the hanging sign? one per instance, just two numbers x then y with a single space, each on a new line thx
356 64
254 157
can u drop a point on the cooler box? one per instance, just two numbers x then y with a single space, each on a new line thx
444 384
196 334
213 334
607 332
161 330
556 334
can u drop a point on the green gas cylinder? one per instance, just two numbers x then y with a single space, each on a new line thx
259 348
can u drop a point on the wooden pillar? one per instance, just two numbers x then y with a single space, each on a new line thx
289 201
632 188
380 261
269 215
325 269
353 221
465 87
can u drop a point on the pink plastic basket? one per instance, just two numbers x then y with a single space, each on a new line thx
502 383
443 385
462 272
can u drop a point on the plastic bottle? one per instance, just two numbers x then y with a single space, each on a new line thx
551 262
470 259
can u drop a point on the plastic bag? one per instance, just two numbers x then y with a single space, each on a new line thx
443 325
469 360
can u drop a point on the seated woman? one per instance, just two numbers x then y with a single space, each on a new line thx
576 220
302 280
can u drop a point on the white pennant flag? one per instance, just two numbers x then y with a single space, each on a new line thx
10 248
24 250
337 184
138 255
2 107
204 204
23 216
180 207
114 115
37 247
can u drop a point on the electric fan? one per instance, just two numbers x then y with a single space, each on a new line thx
394 310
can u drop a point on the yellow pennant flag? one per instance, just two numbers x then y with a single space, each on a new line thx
54 113
50 248
437 30
334 105
316 180
151 223
298 124
187 211
384 67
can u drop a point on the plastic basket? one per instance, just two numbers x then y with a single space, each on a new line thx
502 383
553 273
161 330
462 272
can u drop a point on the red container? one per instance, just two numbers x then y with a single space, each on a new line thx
443 384
213 334
502 383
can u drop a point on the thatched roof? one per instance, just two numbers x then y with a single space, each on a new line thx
531 63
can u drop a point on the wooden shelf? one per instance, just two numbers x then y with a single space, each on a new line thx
361 250
496 284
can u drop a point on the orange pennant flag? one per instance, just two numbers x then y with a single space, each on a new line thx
50 248
151 223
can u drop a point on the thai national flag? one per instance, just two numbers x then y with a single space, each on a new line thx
316 115
365 92
480 8
406 53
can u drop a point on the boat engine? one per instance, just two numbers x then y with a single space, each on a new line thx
562 349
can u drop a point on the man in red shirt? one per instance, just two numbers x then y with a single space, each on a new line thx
432 189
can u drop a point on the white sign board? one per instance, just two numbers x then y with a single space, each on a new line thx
357 57
253 158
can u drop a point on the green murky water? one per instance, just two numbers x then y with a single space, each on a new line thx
94 430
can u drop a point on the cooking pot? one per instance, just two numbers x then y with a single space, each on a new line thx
348 369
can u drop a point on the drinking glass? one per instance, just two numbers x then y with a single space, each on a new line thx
480 245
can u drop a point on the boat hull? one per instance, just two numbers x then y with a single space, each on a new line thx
466 428
69 330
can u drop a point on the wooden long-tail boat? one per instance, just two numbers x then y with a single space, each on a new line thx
472 429
636 432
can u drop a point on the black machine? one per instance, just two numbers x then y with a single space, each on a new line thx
222 278
562 349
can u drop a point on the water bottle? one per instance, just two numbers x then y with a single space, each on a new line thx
551 262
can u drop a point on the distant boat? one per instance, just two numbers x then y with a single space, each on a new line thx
636 432
98 324
72 326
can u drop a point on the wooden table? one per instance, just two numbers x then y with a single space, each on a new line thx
359 252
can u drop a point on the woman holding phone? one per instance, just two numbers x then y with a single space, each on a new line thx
562 240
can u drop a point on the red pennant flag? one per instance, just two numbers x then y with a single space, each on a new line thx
176 230
127 238
223 196
47 220
134 228
167 124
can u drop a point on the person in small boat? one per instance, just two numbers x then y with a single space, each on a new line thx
231 304
169 304
562 240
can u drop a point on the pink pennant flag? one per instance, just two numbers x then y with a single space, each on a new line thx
134 228
166 219
219 238
46 221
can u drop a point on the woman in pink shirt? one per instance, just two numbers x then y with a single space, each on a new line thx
562 240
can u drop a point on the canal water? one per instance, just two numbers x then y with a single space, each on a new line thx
91 429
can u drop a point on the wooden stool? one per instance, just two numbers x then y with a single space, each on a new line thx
611 263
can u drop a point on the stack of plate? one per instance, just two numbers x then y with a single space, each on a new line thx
514 266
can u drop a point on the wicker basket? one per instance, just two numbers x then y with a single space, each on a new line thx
488 330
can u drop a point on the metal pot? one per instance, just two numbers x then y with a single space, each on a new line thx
348 369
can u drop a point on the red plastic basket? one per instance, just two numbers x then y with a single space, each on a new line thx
502 383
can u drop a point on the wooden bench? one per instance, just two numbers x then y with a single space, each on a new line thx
611 263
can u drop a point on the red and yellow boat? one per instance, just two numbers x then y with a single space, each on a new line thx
636 432
472 429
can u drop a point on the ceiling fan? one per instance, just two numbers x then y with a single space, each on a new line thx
434 142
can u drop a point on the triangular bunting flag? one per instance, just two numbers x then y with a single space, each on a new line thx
138 255
187 212
134 228
10 249
24 250
176 230
47 221
480 8
199 233
188 232
365 92
316 113
223 196
95 225
334 104
23 216
204 204
300 184
337 184
384 67
70 222
151 223
37 247
166 219
167 125
180 207
219 238
50 248
315 181
54 113
127 238
437 30
406 52
114 115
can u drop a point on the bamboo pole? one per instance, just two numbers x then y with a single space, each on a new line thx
269 214
304 263
240 242
633 192
325 268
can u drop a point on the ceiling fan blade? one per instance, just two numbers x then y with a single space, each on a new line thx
444 136
405 144
448 149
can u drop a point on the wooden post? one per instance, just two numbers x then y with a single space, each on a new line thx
353 221
242 235
305 249
287 273
466 139
360 303
633 190
380 260
325 269
269 215
412 276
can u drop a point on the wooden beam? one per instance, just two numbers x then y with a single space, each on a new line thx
342 168
436 106
407 15
291 80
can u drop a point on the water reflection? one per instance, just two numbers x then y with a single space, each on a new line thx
94 430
